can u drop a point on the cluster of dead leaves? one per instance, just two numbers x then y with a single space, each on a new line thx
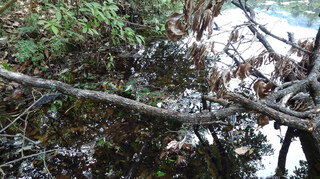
285 66
218 82
242 71
262 89
197 53
175 27
308 45
204 13
175 147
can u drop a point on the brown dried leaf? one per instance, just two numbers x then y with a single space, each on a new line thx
219 84
217 7
46 52
268 87
198 6
259 87
17 93
213 79
164 153
206 19
262 120
242 70
175 28
36 71
226 77
181 162
212 48
197 19
187 10
234 36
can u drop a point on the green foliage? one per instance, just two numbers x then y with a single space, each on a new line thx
160 174
32 23
110 62
28 49
6 66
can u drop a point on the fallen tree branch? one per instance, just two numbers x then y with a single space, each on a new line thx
194 118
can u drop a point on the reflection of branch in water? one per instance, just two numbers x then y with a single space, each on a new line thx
206 148
284 151
222 153
137 160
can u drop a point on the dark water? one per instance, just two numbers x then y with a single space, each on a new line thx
96 140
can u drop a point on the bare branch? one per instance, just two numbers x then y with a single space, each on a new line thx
263 29
217 100
285 119
195 118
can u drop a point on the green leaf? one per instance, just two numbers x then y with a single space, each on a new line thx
160 174
47 25
58 15
64 71
53 108
55 30
108 15
90 31
128 88
89 24
163 28
84 9
94 30
59 102
53 6
101 15
154 103
25 148
6 66
85 30
100 142
120 113
139 40
157 28
95 11
120 24
113 7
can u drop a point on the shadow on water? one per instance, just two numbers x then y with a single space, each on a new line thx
104 141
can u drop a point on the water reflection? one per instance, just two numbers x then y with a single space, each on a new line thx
105 141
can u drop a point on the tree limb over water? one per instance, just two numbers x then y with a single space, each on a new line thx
194 118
